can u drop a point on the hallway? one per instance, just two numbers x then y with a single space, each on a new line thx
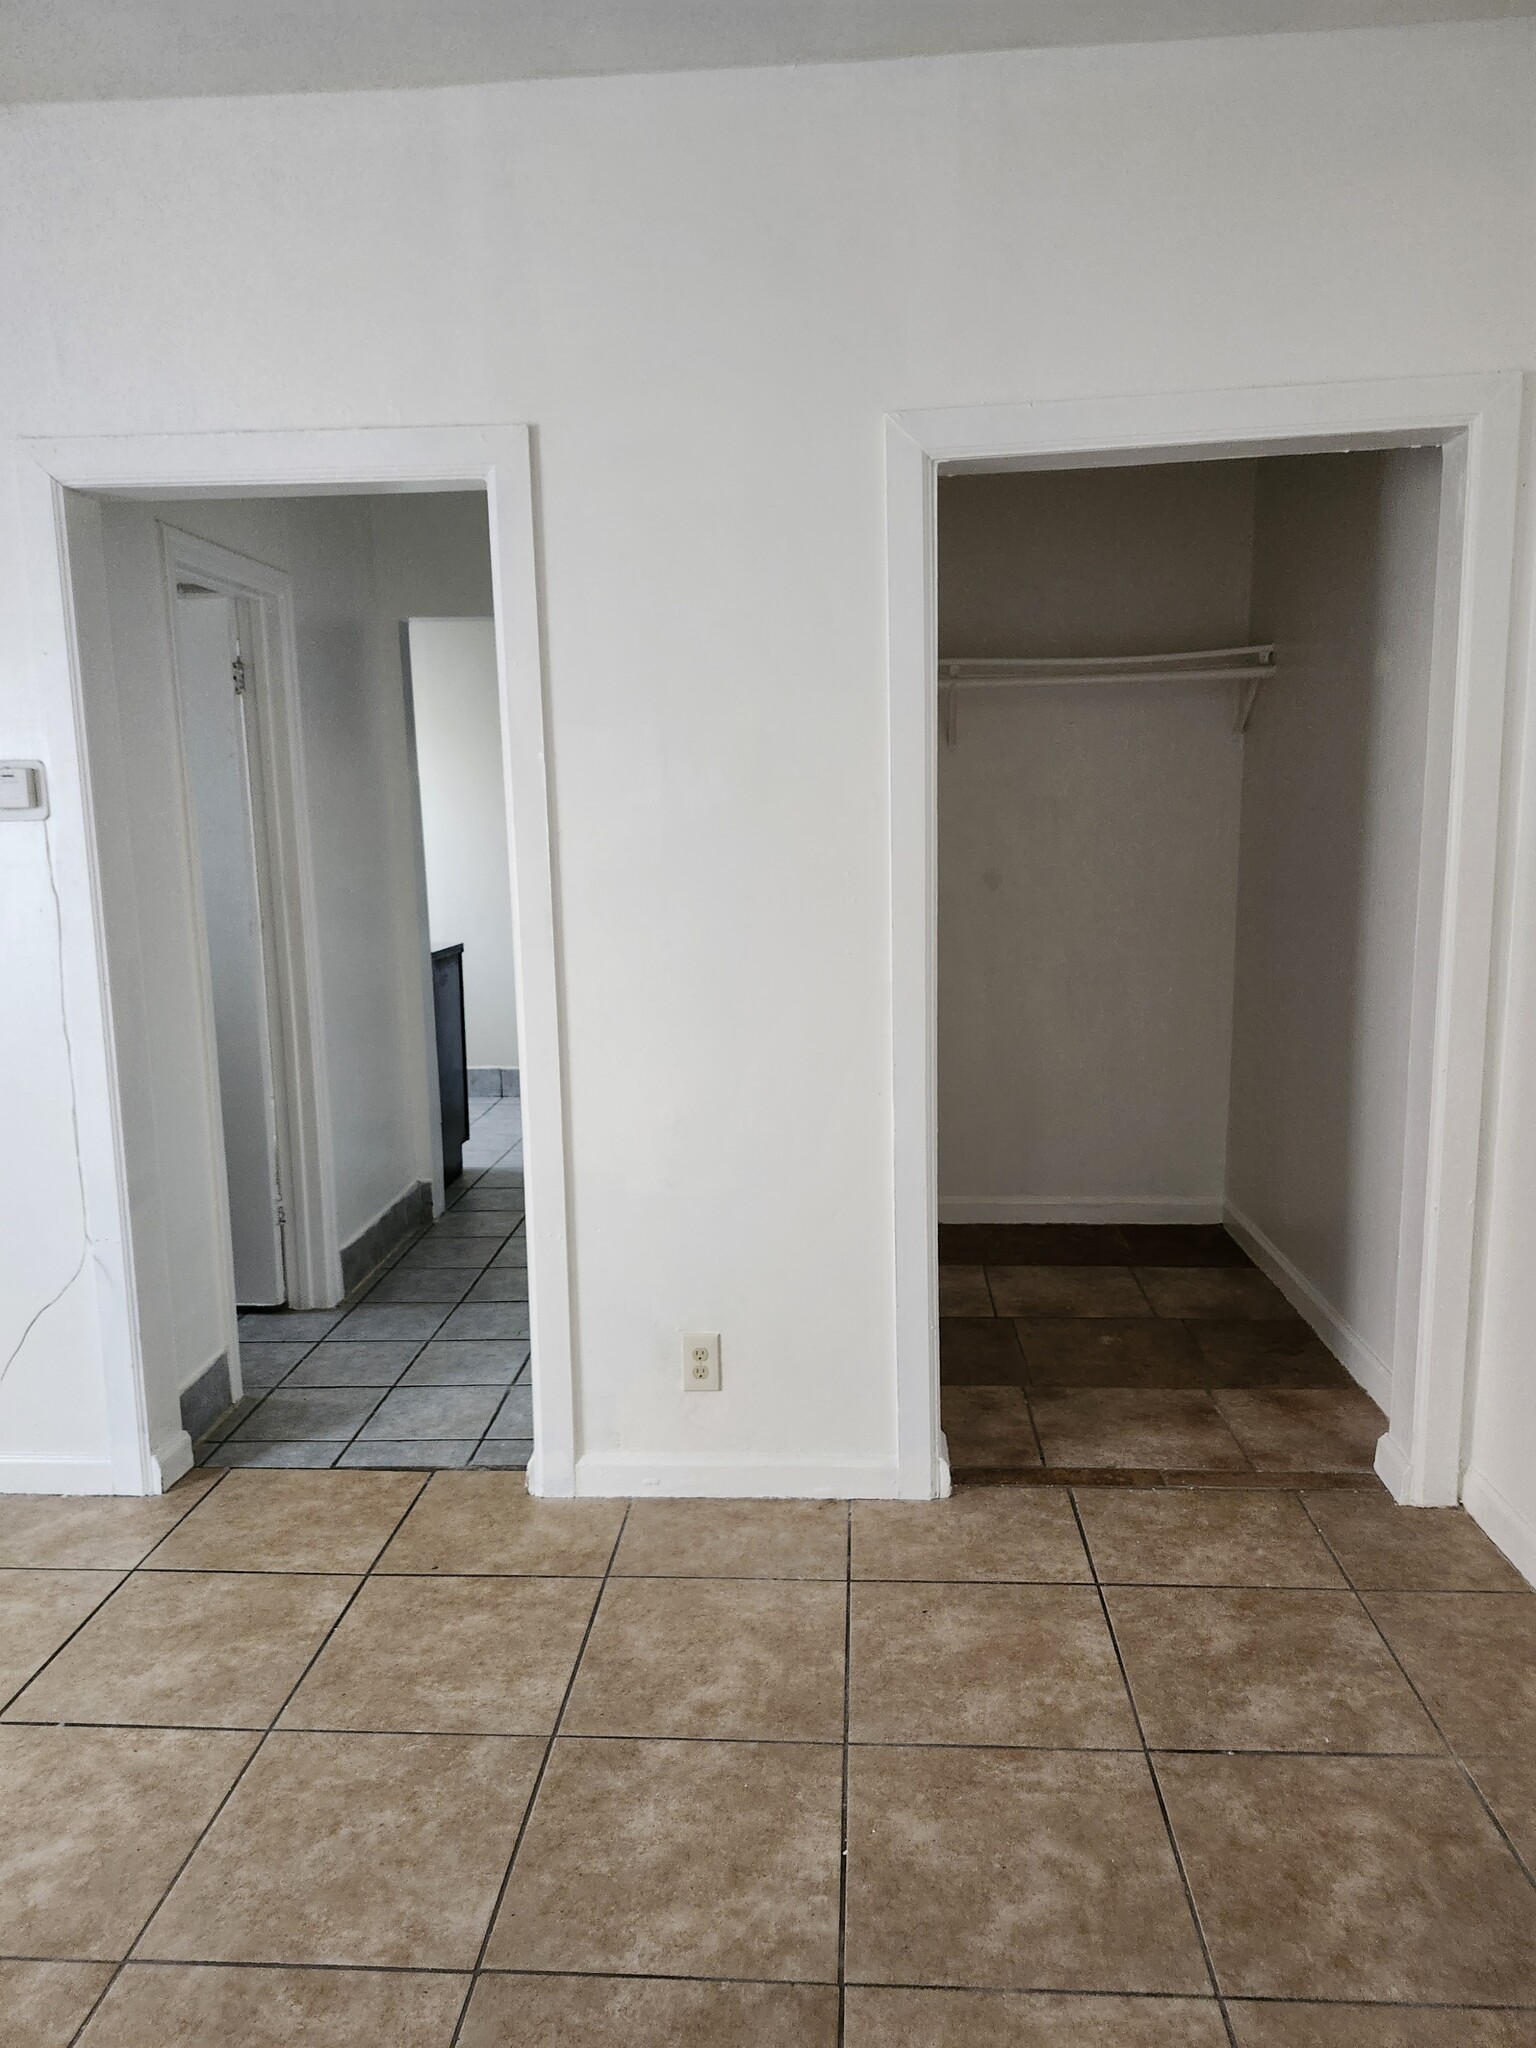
339 1757
426 1364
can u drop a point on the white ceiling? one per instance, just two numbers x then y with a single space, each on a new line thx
145 49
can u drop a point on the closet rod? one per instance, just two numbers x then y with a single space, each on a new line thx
1245 666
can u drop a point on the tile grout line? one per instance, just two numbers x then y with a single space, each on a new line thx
1157 1788
842 1863
127 1573
478 1966
239 1777
1451 1750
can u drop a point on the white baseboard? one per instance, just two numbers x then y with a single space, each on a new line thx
1501 1521
171 1459
1392 1466
706 1476
57 1475
1080 1209
1347 1345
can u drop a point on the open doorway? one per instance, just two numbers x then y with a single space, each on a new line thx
305 1284
1399 1137
1181 825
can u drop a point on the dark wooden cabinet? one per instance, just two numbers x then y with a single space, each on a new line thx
452 1058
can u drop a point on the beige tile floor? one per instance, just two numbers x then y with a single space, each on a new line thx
327 1759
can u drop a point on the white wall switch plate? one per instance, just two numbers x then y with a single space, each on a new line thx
23 790
701 1362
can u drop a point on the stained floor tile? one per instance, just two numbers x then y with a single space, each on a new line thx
1180 1244
1065 1291
730 1539
498 1283
419 1412
233 1455
987 1426
365 1850
290 1522
746 1658
1304 1429
963 1291
371 1363
985 1664
467 1254
647 2012
190 1649
1508 1783
485 1522
1108 1351
1225 1292
1473 1657
1179 1430
39 1610
491 1362
51 1531
409 1454
1031 1244
308 1415
999 1534
979 1351
514 1417
1257 1353
263 1365
503 1453
200 2006
878 2018
501 1321
1013 1869
1354 1878
627 1866
452 1656
1412 1550
1193 1538
44 2003
391 1322
1378 2026
438 1284
97 1822
286 1325
1247 1668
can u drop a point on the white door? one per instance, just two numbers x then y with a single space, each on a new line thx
220 762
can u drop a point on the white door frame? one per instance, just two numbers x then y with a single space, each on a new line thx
340 461
1476 419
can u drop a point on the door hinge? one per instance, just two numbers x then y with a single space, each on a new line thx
237 670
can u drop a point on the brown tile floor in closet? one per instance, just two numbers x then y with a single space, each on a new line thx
1140 1355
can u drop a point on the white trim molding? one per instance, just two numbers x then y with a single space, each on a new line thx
1080 1209
1476 421
1501 1521
1363 1365
70 583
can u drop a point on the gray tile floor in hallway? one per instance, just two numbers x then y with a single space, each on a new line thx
295 1759
427 1366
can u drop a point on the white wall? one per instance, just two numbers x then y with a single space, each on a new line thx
464 822
705 292
1333 789
1088 847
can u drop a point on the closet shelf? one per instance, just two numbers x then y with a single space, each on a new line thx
1244 667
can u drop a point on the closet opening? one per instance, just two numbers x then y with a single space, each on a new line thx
1186 835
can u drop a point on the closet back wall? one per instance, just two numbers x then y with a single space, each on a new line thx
1088 847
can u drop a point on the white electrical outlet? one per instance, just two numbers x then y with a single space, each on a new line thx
701 1362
